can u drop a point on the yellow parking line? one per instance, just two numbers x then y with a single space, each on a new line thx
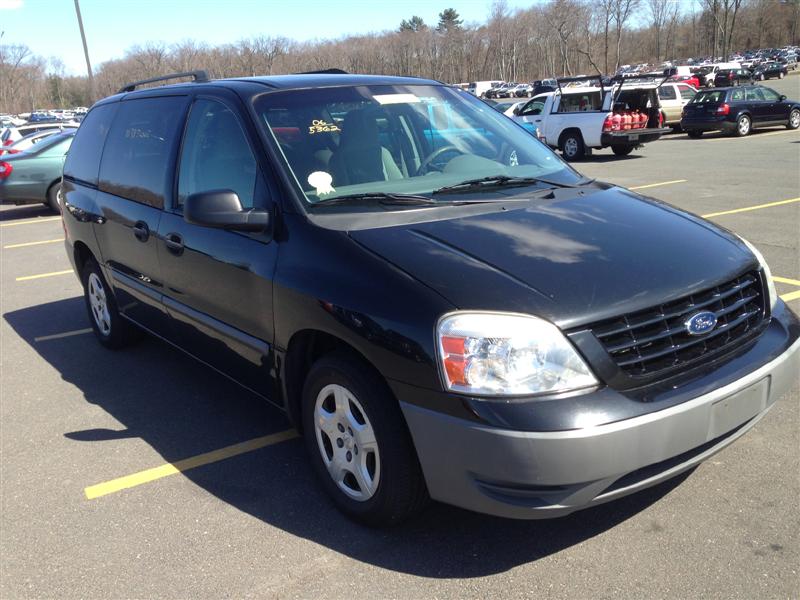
791 296
30 221
747 208
786 280
129 481
26 244
58 336
652 185
41 275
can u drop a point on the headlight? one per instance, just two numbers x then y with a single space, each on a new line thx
500 354
771 291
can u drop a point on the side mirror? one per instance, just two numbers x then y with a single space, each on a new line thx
222 209
517 111
782 98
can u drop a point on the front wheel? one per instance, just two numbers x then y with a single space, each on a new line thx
742 126
357 441
694 134
622 150
572 146
794 119
781 75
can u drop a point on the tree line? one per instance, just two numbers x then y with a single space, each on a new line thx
555 38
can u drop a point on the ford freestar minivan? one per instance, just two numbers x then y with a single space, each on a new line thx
443 307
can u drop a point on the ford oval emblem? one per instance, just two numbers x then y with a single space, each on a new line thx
701 323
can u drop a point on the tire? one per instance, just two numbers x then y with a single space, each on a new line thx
357 401
110 328
781 75
52 197
794 119
622 150
694 134
761 77
572 146
743 126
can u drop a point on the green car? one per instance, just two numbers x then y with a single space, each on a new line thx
35 176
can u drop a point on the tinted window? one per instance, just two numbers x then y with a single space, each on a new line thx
136 159
737 95
215 154
83 162
754 94
667 92
770 95
714 97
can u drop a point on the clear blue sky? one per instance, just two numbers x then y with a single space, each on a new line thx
50 29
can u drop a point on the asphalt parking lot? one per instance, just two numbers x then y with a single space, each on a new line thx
140 473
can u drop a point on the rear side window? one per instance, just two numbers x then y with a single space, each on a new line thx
83 161
137 157
667 92
687 93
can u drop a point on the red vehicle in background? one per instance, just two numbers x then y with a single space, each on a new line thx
693 80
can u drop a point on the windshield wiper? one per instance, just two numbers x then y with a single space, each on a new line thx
483 183
388 199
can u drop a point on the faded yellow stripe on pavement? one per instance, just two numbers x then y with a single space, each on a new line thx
791 296
30 221
748 208
58 336
129 481
786 280
42 275
652 185
26 244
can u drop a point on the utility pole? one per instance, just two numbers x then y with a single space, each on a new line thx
85 52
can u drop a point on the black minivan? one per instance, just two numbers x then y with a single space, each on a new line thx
442 306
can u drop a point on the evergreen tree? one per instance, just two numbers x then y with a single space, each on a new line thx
449 20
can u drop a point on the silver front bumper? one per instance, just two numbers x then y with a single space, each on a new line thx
534 475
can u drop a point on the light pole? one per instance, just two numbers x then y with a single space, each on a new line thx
85 52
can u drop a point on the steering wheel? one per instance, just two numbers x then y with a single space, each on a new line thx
426 163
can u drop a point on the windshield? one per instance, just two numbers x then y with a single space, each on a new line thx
410 139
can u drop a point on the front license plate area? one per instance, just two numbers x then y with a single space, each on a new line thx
738 408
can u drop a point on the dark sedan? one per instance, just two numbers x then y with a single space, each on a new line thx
727 77
737 110
770 70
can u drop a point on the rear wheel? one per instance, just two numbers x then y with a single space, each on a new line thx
694 134
111 329
622 150
358 443
572 146
742 126
52 197
794 119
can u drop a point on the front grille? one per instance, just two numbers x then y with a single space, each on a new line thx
656 340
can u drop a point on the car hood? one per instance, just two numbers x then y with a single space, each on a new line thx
577 257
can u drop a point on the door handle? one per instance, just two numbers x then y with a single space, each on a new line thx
141 231
174 243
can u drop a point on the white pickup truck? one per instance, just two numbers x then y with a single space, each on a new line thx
577 119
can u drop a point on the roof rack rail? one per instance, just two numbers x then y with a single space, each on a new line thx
324 72
197 76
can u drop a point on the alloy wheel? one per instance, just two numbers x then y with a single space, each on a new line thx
346 442
99 304
744 126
